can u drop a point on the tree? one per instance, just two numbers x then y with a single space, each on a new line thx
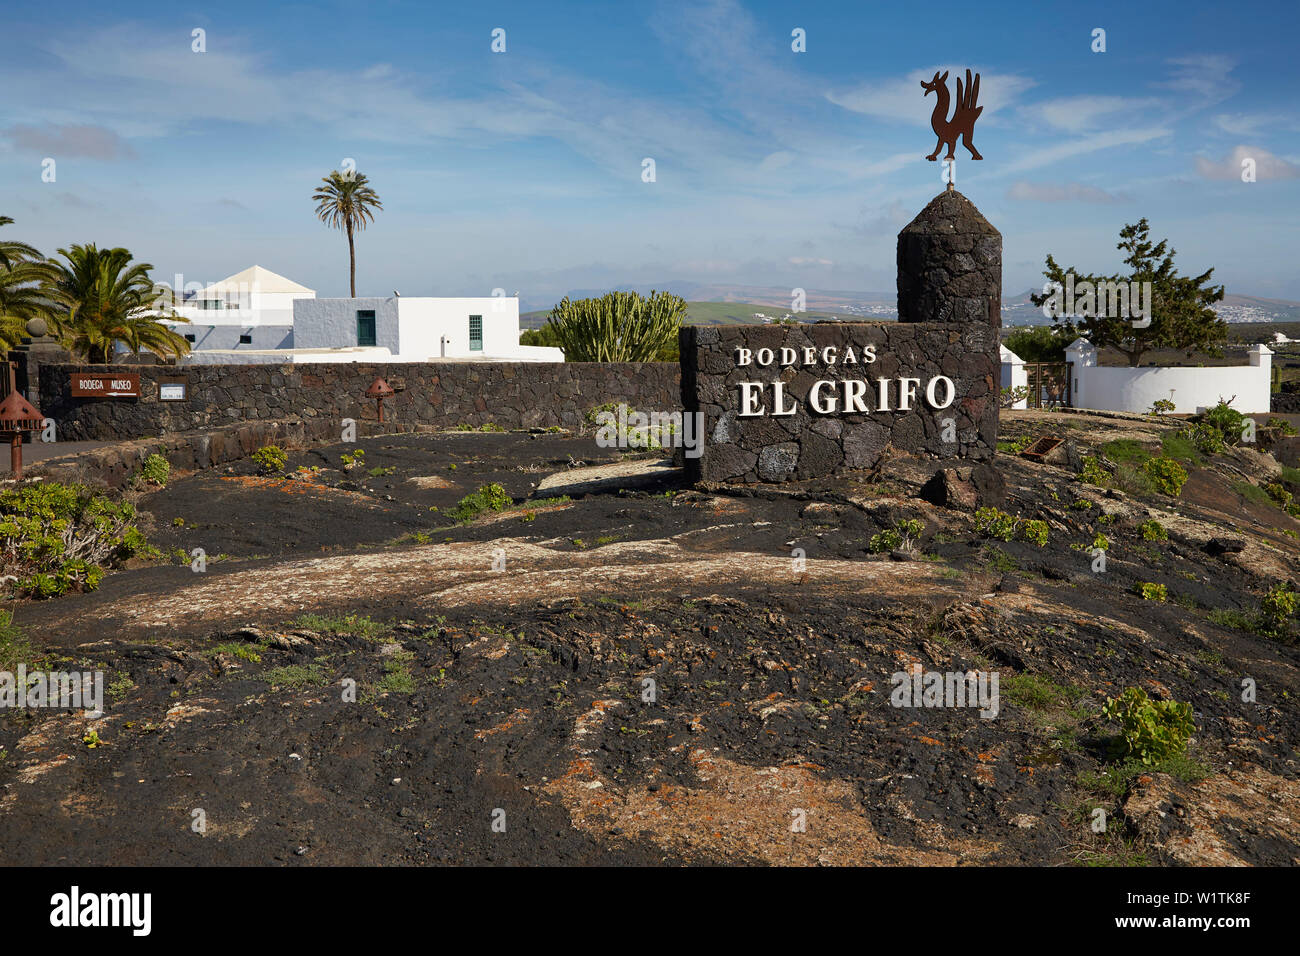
105 298
346 201
1039 343
618 327
23 275
1103 310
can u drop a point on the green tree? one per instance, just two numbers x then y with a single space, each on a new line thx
346 201
1182 316
618 327
106 298
23 275
1039 343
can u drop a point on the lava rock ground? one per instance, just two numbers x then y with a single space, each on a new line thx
670 676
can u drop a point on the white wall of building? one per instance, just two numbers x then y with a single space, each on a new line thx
1191 389
1014 374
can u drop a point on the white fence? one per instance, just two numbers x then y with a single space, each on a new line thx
1190 388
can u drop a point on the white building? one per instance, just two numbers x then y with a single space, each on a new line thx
419 329
250 310
257 316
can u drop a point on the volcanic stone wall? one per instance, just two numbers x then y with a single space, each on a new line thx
445 394
809 444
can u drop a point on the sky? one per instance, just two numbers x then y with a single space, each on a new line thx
524 169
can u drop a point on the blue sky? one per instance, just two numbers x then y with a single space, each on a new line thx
522 169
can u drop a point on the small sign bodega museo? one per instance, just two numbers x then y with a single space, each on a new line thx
123 385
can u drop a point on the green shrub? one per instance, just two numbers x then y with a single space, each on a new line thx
1014 446
1280 495
1162 406
56 537
1150 730
993 523
1277 608
1153 530
1034 531
155 470
1204 438
488 498
271 459
1227 421
1281 424
902 535
1093 473
1166 475
1151 592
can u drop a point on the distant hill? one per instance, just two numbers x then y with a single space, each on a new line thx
727 304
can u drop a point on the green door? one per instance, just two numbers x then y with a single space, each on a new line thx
366 327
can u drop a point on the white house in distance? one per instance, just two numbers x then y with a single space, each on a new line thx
257 316
419 329
250 310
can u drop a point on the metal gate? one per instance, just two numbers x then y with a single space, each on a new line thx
1049 384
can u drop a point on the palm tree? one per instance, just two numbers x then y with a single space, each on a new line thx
106 299
23 275
346 201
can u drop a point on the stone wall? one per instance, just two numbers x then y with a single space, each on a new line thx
811 444
443 394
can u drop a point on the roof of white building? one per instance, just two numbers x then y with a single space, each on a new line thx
257 279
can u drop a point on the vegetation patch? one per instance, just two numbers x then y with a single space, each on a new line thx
1150 730
56 538
488 498
270 459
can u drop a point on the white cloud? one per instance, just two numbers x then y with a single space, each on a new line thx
1267 165
1087 144
1203 75
1076 114
1061 192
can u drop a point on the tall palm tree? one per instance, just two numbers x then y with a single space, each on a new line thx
23 275
346 201
106 298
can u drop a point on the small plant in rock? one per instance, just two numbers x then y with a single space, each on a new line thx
1151 592
1167 475
901 537
1034 531
270 459
1161 406
1283 426
155 470
1153 530
991 522
1093 473
1277 608
353 459
1150 730
488 498
1227 421
1206 439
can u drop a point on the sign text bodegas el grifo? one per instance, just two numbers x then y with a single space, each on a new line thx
789 402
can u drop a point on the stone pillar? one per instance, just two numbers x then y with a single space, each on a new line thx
950 264
38 348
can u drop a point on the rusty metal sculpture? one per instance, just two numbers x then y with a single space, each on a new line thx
963 117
